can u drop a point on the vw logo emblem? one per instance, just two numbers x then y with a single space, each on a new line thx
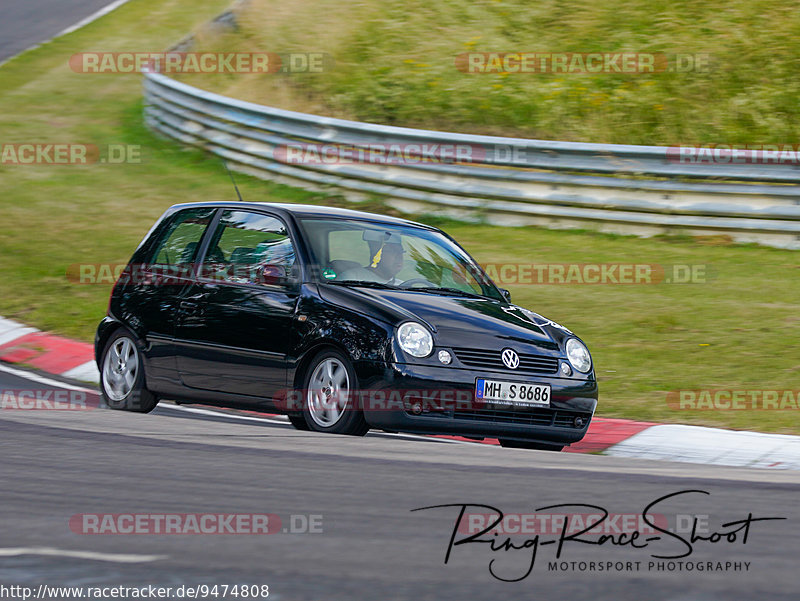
510 359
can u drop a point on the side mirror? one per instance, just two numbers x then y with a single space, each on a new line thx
272 275
506 294
276 275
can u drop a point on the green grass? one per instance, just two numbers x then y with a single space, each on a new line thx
737 331
395 64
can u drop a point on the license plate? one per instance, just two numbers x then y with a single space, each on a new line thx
515 393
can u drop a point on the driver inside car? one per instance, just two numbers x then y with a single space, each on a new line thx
386 259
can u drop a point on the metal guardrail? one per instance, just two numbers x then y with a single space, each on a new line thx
642 190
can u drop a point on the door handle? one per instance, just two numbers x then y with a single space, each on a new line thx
191 307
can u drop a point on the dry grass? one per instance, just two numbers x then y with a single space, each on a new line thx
395 64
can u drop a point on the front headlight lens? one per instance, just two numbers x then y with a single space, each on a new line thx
578 355
415 339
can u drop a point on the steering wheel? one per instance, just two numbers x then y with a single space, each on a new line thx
413 281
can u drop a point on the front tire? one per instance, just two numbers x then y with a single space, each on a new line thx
122 382
538 446
328 396
298 420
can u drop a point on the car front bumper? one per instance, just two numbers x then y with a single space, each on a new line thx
446 397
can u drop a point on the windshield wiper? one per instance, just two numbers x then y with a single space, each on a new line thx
431 289
445 290
364 283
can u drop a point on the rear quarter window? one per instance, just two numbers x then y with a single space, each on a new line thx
179 242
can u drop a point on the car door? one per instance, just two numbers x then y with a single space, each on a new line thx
235 322
154 282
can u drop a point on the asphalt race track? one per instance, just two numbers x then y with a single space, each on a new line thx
24 23
56 464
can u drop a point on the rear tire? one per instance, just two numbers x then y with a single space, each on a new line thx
328 399
122 382
538 446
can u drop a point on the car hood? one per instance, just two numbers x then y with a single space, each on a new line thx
456 321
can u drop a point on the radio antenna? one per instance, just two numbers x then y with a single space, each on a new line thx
239 194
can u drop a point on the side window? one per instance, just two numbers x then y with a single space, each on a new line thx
181 240
250 248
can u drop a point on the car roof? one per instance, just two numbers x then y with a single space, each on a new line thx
303 210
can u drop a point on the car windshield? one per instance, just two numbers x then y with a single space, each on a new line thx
356 252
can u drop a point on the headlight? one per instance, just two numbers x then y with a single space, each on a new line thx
415 339
578 355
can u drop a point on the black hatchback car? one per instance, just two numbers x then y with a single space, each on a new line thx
340 319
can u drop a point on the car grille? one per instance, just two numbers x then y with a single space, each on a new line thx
531 417
528 364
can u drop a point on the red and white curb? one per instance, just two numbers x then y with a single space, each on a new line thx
619 437
696 444
47 352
